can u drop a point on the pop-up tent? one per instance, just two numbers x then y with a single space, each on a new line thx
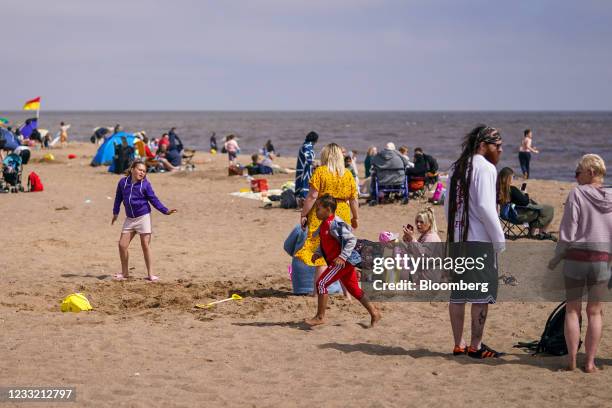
106 151
8 141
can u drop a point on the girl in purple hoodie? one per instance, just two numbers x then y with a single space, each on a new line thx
136 193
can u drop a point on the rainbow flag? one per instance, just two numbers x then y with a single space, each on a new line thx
32 104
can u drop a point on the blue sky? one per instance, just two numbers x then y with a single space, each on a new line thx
308 55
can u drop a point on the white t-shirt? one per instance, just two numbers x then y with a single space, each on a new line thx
484 221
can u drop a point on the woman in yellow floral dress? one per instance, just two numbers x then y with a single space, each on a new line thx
329 178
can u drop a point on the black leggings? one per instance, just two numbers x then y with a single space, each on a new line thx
524 159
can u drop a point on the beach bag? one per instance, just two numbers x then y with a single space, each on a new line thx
235 170
287 199
416 183
508 212
553 336
437 195
259 185
34 183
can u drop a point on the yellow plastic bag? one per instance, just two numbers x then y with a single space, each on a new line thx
76 303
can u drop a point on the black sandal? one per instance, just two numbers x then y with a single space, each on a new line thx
546 235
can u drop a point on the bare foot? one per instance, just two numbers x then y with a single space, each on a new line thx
375 318
590 368
315 321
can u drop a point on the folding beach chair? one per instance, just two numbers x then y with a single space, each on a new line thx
513 228
187 159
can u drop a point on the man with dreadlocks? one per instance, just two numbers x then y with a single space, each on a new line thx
471 211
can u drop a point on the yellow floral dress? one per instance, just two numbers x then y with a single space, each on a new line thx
342 189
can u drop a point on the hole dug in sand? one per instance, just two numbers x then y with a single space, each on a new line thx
137 297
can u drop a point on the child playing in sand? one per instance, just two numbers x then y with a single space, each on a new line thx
337 243
136 193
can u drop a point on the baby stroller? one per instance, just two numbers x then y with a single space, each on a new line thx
11 173
188 158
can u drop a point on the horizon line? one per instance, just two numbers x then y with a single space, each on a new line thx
324 110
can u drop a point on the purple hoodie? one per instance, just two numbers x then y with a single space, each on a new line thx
136 198
587 219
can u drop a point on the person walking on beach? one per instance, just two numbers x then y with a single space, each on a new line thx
525 152
304 167
232 148
268 148
336 244
213 143
330 178
585 245
64 134
136 193
471 212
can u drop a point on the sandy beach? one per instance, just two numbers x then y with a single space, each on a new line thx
145 344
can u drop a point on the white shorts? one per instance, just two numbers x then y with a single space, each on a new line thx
141 225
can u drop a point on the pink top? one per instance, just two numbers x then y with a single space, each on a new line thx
231 146
429 237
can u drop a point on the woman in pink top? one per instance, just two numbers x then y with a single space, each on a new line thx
585 245
425 245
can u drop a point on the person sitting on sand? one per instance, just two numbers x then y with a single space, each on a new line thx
148 153
269 162
256 167
405 152
163 141
336 246
162 153
585 245
136 193
367 163
425 222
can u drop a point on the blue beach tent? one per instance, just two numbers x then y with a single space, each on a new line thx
10 141
106 151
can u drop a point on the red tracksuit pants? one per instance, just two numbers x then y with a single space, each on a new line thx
347 275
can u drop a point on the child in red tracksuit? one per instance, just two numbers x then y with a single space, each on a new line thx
337 243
